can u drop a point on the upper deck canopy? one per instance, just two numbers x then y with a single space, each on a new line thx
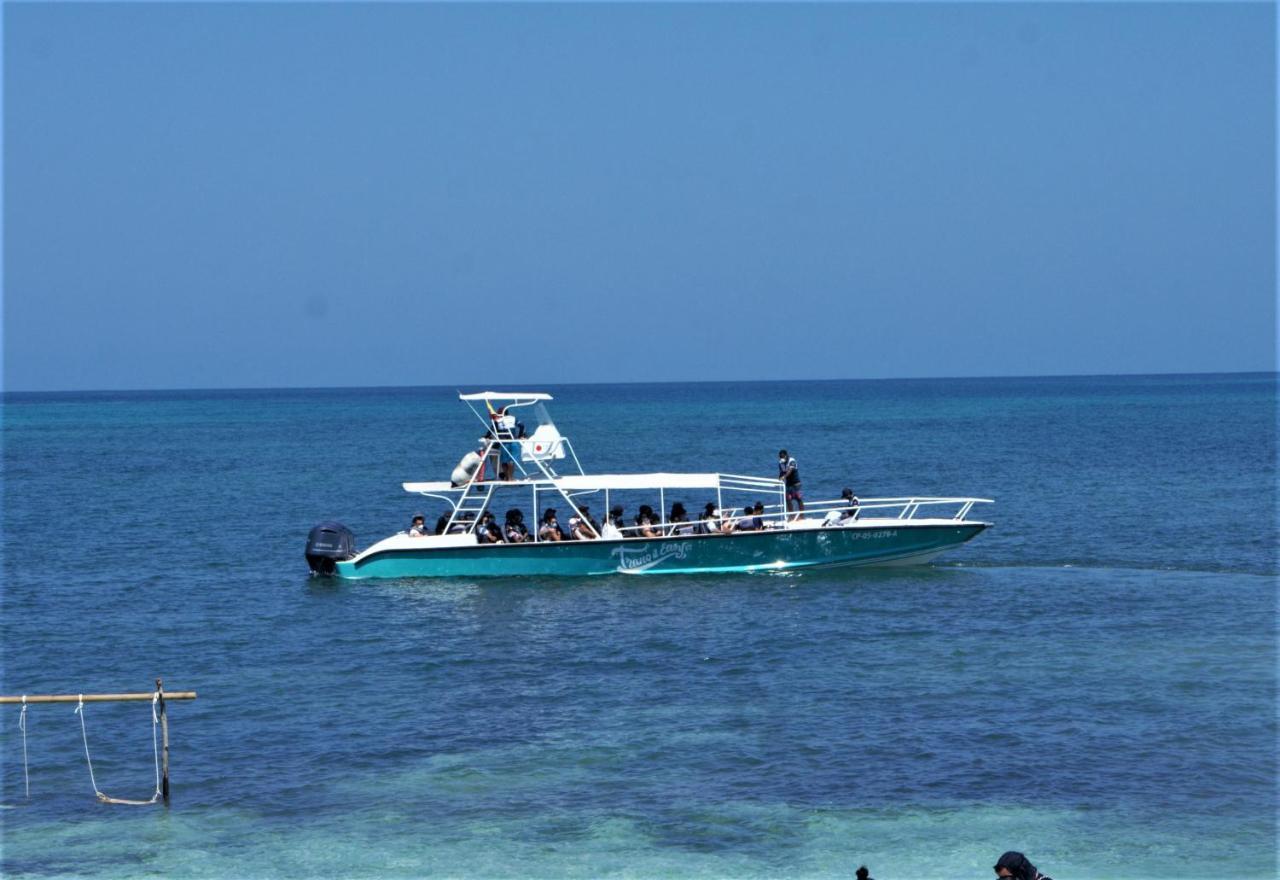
617 482
505 395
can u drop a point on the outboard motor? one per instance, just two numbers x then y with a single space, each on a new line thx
327 544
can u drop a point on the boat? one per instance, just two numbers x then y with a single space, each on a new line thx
542 468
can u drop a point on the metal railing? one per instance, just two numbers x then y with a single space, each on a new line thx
776 516
906 508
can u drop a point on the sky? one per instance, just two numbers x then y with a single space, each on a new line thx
281 195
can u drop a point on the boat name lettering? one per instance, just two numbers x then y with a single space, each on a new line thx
646 557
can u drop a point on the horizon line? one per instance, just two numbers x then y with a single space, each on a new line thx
524 386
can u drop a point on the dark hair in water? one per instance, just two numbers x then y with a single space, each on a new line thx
1018 865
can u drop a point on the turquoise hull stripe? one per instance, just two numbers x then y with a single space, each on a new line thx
692 554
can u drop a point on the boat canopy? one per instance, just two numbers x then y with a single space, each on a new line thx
422 488
616 482
505 395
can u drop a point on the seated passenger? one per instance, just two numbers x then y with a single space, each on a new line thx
708 522
747 522
442 523
582 527
418 528
647 523
549 529
462 523
759 512
488 532
845 515
515 530
679 521
613 524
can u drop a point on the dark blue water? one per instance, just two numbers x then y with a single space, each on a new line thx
1092 681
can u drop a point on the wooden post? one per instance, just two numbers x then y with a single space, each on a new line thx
164 739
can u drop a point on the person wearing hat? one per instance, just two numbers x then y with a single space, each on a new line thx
418 527
1015 865
550 530
847 513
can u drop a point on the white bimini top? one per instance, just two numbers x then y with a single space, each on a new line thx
505 395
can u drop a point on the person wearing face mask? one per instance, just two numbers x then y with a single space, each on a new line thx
488 532
515 531
549 530
647 522
789 473
582 527
709 522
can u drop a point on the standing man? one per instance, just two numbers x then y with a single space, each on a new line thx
789 473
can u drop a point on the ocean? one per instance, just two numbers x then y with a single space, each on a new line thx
1092 681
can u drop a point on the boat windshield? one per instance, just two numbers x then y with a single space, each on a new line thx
530 414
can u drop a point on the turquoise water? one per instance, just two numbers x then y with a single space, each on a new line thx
1092 681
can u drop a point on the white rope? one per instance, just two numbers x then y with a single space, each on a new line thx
22 725
155 748
85 736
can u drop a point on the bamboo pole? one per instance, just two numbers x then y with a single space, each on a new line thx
96 698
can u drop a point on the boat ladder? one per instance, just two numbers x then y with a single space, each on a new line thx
473 501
